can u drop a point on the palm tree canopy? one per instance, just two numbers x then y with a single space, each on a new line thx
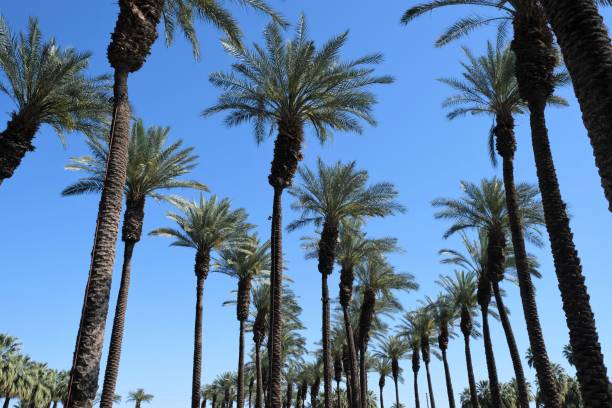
381 366
139 396
462 289
443 311
419 324
294 82
248 259
375 274
206 225
354 245
152 165
49 84
337 192
483 206
394 347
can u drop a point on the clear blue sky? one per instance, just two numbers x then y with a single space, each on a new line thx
46 239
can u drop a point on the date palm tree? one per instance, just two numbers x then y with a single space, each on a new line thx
536 59
153 166
286 85
261 310
394 348
382 367
245 262
444 314
48 85
378 282
325 199
135 32
207 226
463 289
483 207
138 397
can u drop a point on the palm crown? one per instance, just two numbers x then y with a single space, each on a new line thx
139 396
48 83
246 260
462 289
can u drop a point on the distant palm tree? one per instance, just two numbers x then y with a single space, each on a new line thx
152 166
287 84
48 86
444 314
135 32
206 226
326 198
395 348
139 396
244 261
382 366
16 378
377 283
462 289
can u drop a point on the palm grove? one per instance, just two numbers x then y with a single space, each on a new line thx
292 88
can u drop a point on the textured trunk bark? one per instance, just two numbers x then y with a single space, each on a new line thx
259 384
449 382
470 371
584 338
354 376
275 394
397 403
327 376
417 401
114 350
363 374
380 393
240 386
587 53
490 357
429 386
338 405
85 370
197 343
16 141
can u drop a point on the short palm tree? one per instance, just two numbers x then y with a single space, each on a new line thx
463 290
536 58
139 396
483 207
382 367
206 226
394 348
325 199
377 283
48 85
288 84
244 261
153 166
16 379
135 32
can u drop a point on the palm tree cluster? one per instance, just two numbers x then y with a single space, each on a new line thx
290 88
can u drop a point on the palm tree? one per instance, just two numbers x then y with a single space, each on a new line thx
287 84
152 166
16 378
444 314
377 282
261 306
462 289
134 34
483 207
207 226
59 387
139 396
536 59
394 348
325 199
244 262
48 85
382 366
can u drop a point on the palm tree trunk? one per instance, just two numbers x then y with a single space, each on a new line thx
289 393
417 401
85 370
259 385
327 376
490 357
431 396
354 376
584 339
363 373
380 393
201 269
15 142
275 339
587 53
449 383
397 403
55 403
470 371
137 404
203 402
523 394
240 386
7 402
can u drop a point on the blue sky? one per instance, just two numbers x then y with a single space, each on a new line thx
46 239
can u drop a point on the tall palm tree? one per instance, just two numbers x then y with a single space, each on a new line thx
382 366
134 34
462 289
394 348
420 324
287 84
325 199
353 246
48 85
377 283
245 262
414 346
206 226
584 41
152 166
483 207
261 309
536 59
139 396
444 314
